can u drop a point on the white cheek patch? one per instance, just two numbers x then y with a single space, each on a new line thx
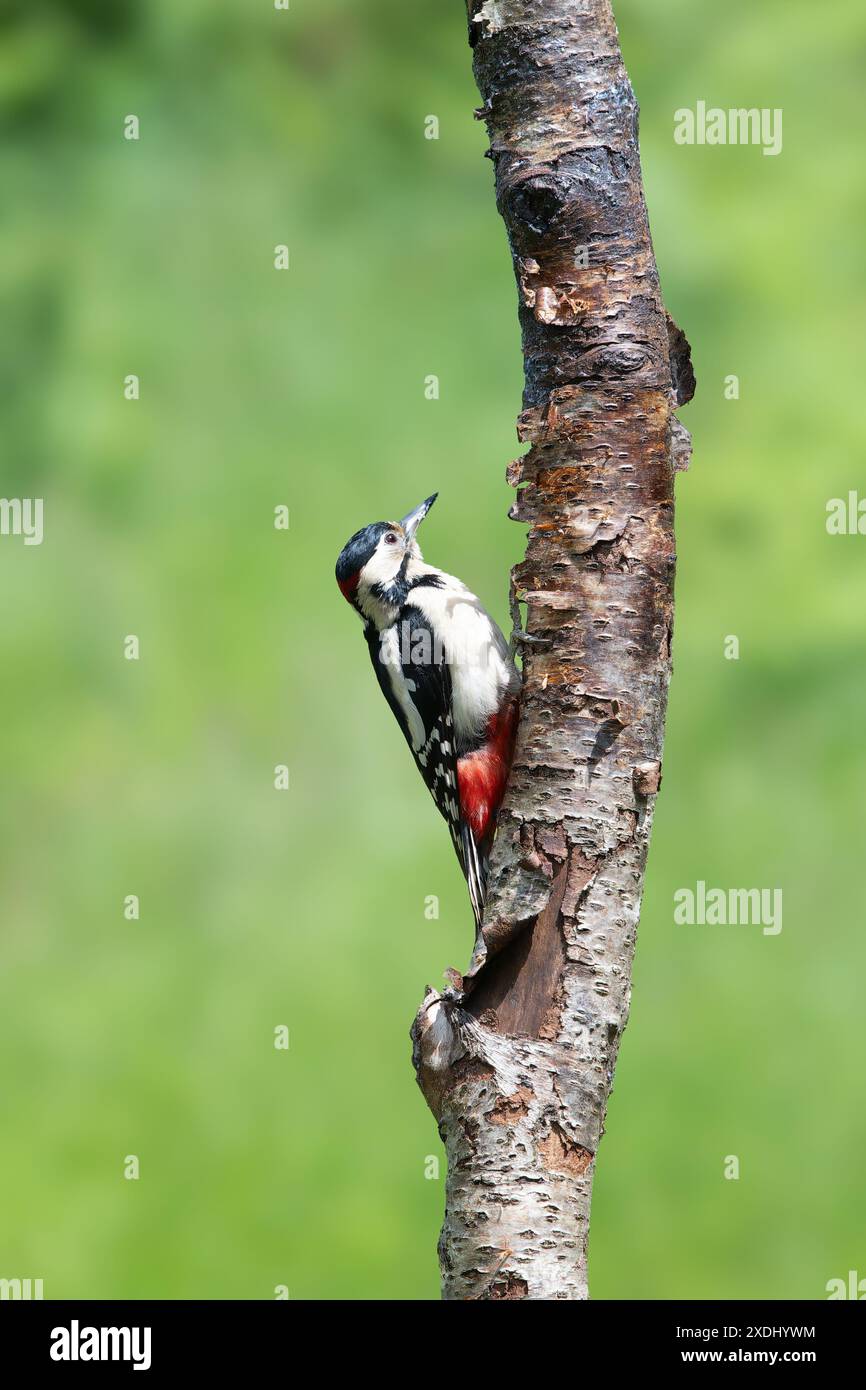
380 571
383 565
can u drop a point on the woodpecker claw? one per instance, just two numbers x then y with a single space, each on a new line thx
452 997
454 993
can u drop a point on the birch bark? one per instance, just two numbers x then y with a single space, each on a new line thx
518 1070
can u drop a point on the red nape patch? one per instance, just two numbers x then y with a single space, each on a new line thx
481 776
348 586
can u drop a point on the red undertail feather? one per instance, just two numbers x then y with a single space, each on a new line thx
481 775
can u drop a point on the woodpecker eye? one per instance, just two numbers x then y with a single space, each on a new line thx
390 538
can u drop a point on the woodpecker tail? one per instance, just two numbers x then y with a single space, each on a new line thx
475 869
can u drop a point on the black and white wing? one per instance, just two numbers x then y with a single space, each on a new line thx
416 682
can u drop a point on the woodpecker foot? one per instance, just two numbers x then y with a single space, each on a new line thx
519 638
454 993
452 998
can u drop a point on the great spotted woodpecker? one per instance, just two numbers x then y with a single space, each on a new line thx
446 671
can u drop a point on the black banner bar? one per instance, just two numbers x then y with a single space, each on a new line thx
155 1338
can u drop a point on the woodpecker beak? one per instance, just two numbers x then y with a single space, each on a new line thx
411 522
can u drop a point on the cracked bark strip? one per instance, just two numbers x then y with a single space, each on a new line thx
518 1071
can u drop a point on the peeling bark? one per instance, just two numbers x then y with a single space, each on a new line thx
518 1069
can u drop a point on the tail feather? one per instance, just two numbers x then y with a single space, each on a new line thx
475 869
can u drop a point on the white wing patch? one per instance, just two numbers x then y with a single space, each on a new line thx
402 688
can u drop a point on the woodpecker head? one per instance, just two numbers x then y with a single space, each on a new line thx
375 564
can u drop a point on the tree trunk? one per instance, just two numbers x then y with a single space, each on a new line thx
518 1070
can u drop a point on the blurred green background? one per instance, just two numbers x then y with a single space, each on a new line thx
306 908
